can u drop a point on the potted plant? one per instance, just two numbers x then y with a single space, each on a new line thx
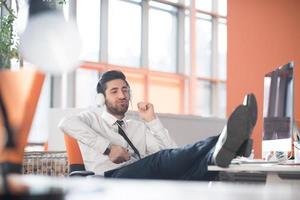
8 47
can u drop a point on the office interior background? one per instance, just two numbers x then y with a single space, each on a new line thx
189 57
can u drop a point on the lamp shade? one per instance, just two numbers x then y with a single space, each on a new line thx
51 43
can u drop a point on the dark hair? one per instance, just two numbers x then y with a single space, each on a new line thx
109 76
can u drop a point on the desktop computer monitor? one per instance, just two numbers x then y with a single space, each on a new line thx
278 110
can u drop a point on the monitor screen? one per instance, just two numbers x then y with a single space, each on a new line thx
278 109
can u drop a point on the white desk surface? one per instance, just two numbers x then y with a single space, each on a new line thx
271 167
110 189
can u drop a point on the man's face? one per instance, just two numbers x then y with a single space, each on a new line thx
117 97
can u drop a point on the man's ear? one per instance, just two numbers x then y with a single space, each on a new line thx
100 99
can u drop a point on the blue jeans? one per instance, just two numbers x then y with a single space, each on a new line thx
186 163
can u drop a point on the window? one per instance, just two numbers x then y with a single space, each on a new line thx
221 100
86 82
204 5
204 46
174 1
173 52
39 128
222 49
65 9
222 7
124 33
162 37
88 20
204 98
187 43
174 55
166 94
211 53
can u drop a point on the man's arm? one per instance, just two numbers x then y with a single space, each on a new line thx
80 128
118 154
157 137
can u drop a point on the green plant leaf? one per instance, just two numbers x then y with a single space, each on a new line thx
8 48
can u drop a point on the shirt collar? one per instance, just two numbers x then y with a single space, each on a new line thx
111 120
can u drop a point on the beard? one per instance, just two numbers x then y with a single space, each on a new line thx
118 108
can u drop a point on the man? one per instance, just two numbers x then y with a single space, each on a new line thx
119 147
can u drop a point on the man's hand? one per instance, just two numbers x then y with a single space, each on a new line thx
118 154
146 111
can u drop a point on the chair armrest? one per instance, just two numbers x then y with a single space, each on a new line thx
81 173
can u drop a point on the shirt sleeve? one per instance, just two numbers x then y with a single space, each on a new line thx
80 128
157 137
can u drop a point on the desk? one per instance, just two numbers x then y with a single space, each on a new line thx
276 173
116 189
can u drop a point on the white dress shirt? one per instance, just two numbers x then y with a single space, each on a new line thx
95 131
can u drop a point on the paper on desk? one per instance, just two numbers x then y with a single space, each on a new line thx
243 160
289 162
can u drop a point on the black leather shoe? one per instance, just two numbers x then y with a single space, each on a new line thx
251 104
234 134
246 148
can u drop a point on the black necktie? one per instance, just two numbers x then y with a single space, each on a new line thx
122 133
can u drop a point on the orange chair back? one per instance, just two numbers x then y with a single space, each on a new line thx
74 154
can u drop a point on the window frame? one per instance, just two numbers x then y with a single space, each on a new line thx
185 73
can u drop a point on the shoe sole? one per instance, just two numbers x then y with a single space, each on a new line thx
238 131
246 148
251 104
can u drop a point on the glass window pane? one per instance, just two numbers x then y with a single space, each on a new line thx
39 128
86 83
137 89
222 7
171 92
222 51
205 5
88 20
187 2
65 8
136 1
203 16
204 47
124 33
204 98
21 20
173 1
162 40
221 100
187 44
162 6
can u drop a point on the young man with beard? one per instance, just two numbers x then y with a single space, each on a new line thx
116 146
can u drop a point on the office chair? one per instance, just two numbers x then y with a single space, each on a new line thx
76 165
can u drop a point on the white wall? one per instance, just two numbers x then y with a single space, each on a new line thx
184 129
